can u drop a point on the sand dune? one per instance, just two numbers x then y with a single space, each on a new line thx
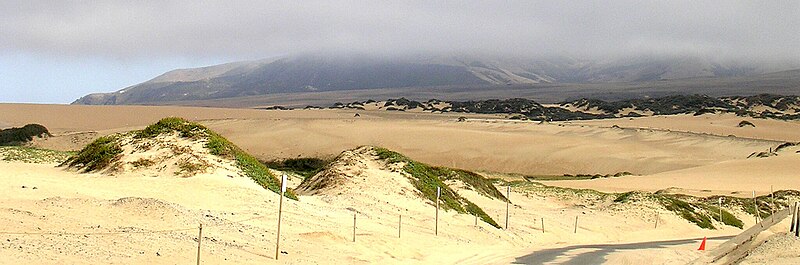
675 151
315 230
485 143
736 177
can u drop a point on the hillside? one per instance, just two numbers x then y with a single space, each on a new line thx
315 73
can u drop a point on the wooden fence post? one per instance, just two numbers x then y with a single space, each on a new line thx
508 201
438 195
576 225
199 238
399 226
542 225
280 211
354 226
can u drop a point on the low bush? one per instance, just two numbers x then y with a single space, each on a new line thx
305 167
17 136
746 123
96 155
427 178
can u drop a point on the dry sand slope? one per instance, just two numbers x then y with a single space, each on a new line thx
133 219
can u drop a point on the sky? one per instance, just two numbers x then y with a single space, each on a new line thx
57 51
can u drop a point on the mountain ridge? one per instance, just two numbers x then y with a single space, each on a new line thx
324 73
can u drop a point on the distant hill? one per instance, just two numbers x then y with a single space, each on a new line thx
325 73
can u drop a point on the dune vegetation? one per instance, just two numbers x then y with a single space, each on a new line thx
18 136
697 210
33 155
427 178
105 150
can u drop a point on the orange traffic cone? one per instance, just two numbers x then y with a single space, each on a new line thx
703 244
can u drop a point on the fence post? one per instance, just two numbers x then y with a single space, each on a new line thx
542 225
508 201
755 207
772 207
199 238
720 210
576 225
438 195
399 226
797 221
354 226
656 220
280 211
794 217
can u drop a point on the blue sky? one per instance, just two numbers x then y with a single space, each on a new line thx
32 78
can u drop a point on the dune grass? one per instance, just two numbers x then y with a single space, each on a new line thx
105 150
699 211
427 178
696 210
97 155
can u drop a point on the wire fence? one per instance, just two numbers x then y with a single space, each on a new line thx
365 226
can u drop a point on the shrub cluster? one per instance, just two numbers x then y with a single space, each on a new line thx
17 136
427 178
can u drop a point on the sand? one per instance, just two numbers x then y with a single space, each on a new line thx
316 230
484 142
681 151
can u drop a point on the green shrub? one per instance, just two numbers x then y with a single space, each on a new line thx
17 136
305 167
699 211
97 155
688 211
185 128
427 178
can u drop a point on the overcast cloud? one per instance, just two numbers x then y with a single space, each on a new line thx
78 47
256 29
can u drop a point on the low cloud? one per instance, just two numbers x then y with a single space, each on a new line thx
142 30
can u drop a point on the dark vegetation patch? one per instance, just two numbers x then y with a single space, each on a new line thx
18 136
427 178
746 123
666 105
275 108
305 167
529 108
705 111
669 105
785 145
574 177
